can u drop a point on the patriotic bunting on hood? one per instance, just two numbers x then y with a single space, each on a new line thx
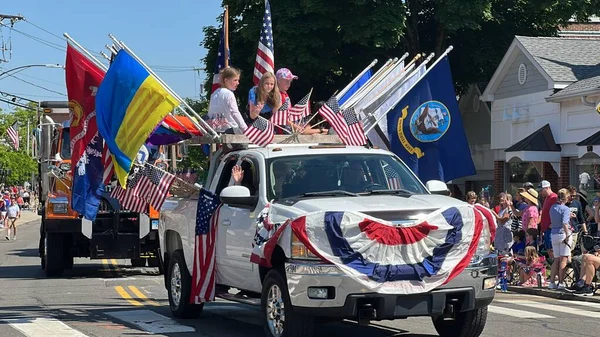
385 258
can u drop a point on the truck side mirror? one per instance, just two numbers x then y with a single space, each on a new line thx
437 187
238 196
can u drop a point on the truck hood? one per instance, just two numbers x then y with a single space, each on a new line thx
392 208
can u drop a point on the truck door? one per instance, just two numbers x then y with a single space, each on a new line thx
237 227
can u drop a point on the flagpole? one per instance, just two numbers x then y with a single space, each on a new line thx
27 151
166 87
226 33
343 92
444 54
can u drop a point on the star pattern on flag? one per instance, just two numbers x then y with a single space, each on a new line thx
207 204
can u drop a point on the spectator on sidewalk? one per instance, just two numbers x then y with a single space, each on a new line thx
577 215
471 197
504 236
518 207
590 263
12 213
530 215
550 199
562 238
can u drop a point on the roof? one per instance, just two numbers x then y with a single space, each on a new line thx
540 140
564 59
591 140
588 85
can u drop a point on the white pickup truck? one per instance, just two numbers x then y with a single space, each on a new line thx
300 289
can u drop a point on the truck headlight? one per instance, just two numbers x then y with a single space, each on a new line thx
299 250
65 166
60 208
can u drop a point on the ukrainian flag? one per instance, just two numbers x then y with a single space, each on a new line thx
130 103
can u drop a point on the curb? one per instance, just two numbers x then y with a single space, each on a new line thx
562 295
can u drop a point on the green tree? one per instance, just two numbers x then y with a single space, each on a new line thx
327 42
195 157
20 164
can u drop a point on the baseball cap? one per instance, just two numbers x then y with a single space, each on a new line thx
544 184
528 185
285 73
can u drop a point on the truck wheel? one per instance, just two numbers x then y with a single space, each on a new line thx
54 259
465 324
279 318
180 288
139 262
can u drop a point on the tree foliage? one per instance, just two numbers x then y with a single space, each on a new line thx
328 42
20 164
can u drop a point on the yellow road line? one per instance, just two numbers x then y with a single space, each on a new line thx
106 265
126 296
141 295
114 262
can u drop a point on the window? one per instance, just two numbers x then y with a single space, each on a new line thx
356 173
522 75
587 171
520 173
250 179
226 174
65 144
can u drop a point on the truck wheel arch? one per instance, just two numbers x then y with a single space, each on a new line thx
277 261
172 243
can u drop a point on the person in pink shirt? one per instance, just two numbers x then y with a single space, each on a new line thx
530 215
550 198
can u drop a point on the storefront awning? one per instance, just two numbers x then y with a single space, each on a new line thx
538 146
591 140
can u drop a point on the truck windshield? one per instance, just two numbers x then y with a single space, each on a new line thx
354 173
65 144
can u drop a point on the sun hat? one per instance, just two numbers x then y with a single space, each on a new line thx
285 73
531 195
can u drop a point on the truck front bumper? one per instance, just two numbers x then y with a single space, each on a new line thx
473 288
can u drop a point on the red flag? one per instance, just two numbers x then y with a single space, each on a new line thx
83 78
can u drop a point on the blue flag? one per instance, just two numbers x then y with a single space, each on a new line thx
87 180
426 129
354 88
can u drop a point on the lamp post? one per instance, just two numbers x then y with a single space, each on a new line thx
31 66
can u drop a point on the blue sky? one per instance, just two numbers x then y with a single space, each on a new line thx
165 34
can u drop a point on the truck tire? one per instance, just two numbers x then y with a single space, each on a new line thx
279 318
465 324
54 255
139 262
180 288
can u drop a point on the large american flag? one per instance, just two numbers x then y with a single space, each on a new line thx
13 134
260 132
265 56
301 109
393 178
355 134
154 185
204 270
330 111
129 198
220 63
280 117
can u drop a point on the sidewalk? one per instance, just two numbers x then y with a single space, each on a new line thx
545 292
27 216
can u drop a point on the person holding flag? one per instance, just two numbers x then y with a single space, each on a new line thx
264 99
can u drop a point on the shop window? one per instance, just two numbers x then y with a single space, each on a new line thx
520 173
587 171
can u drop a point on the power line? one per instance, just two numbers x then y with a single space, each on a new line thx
3 93
37 86
17 104
47 31
37 39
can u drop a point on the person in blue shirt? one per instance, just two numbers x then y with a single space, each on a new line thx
264 98
562 238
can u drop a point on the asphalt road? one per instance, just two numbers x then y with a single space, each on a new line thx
110 298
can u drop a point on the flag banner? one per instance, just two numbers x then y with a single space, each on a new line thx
355 87
355 134
170 130
267 237
301 109
265 55
83 78
204 270
280 117
260 132
130 104
154 185
13 135
387 258
330 111
129 197
109 169
384 85
220 63
426 129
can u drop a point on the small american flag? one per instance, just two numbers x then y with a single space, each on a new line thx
109 169
265 57
154 185
220 64
129 198
204 270
330 111
260 132
13 134
301 109
355 134
393 178
280 117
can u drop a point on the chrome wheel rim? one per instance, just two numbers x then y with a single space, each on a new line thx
275 311
176 284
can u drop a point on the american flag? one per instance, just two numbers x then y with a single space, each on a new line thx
220 64
280 117
154 185
204 270
393 178
109 169
129 198
260 132
13 134
265 56
330 111
355 134
301 109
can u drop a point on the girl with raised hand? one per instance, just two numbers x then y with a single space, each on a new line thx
264 99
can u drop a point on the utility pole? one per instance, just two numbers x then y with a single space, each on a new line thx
7 47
